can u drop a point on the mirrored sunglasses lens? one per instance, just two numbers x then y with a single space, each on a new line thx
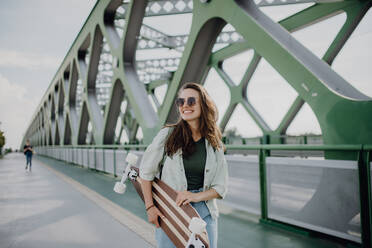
191 101
180 102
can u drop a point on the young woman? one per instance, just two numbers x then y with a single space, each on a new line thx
194 163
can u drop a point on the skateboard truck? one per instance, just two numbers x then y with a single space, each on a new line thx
197 226
120 187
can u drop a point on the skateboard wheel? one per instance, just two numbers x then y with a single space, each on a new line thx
120 188
132 159
133 175
197 225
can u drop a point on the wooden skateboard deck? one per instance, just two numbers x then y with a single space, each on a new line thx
177 219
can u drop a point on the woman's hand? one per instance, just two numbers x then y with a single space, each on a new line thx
153 215
185 197
153 212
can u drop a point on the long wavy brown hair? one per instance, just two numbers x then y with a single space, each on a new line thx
181 135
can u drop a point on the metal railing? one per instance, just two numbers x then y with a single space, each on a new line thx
362 163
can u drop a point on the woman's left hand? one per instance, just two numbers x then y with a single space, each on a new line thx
185 197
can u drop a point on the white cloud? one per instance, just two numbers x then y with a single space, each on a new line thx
11 58
16 110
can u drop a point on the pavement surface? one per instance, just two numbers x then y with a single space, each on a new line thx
41 209
63 205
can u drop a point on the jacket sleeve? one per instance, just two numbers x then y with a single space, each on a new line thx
220 180
149 166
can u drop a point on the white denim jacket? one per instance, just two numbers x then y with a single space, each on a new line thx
215 173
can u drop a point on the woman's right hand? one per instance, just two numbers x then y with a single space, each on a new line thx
153 215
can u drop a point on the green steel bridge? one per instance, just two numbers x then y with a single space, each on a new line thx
116 86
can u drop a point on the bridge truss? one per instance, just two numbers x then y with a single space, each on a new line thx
121 75
106 88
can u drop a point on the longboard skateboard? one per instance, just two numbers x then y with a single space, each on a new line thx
182 224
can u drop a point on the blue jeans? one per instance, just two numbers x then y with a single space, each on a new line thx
28 160
164 242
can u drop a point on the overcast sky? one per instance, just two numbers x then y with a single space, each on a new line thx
35 36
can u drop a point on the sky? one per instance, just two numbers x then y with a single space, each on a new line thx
35 36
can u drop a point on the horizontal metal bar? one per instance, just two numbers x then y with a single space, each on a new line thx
265 3
297 147
123 147
367 147
356 147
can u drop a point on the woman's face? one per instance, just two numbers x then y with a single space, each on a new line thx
190 110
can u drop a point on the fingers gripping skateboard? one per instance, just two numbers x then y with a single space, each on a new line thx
131 160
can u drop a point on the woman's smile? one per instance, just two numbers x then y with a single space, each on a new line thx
188 111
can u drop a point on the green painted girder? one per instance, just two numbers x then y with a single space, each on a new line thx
208 20
355 12
343 112
154 84
238 95
290 115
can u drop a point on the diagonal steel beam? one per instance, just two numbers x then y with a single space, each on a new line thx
135 90
265 3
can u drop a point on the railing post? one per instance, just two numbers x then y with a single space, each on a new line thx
365 197
95 159
103 158
82 157
263 185
368 174
114 162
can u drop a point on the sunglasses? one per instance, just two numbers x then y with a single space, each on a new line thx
191 101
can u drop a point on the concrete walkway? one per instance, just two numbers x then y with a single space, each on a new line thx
43 209
63 205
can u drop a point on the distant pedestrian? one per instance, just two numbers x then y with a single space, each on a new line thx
27 150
